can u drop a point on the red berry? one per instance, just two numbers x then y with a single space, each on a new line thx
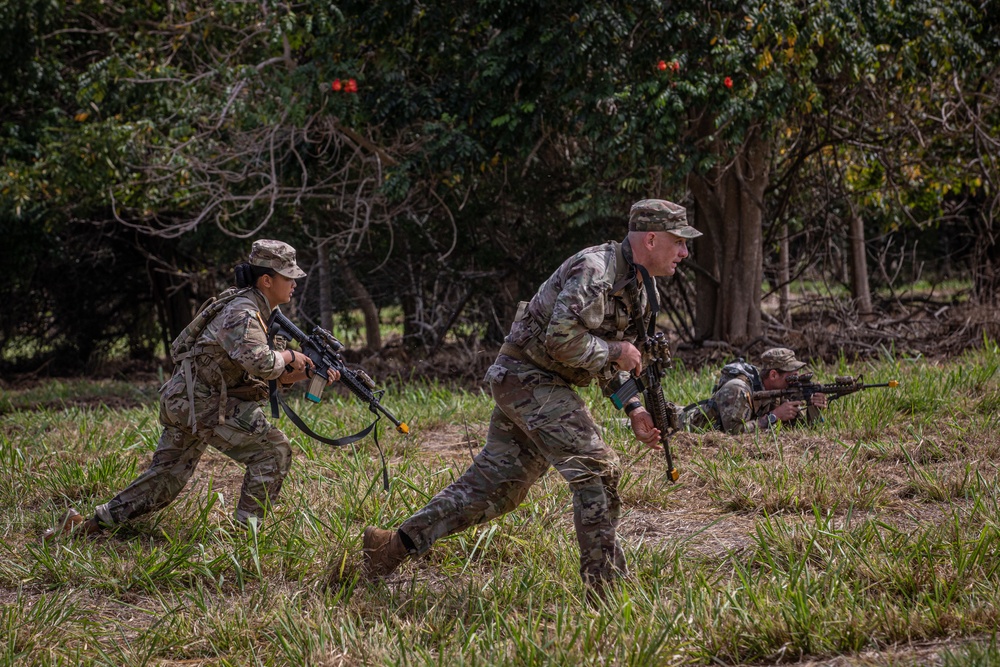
352 86
727 82
336 85
661 65
675 66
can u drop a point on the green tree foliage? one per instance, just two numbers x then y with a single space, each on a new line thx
455 152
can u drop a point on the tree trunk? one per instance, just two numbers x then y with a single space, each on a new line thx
859 266
325 288
730 211
363 300
986 263
784 276
504 307
173 304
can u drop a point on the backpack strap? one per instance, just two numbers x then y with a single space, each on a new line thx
185 348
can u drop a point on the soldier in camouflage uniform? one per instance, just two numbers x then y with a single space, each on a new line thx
732 408
576 329
214 397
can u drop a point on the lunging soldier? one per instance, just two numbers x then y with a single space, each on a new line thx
576 329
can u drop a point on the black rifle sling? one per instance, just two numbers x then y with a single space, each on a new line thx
277 399
651 297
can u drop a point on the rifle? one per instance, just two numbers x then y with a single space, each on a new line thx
324 350
801 388
656 356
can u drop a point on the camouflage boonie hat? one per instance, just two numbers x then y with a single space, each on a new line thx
660 215
781 359
276 255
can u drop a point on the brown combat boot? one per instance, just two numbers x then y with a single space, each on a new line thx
383 552
71 523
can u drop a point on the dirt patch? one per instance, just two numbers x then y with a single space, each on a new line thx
704 530
452 442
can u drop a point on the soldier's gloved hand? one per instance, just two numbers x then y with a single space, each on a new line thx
645 431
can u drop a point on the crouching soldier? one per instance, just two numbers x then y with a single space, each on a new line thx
215 397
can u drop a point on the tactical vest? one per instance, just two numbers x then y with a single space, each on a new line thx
529 345
186 348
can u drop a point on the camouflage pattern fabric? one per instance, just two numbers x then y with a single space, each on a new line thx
660 215
232 350
736 410
538 422
733 410
276 255
569 321
730 409
780 358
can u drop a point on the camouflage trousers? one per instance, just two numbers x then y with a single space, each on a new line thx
538 421
245 436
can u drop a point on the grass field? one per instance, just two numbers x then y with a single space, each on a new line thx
870 539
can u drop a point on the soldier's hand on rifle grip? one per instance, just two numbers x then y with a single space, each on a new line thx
626 356
788 410
297 366
645 431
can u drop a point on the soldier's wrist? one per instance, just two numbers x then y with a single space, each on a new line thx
631 407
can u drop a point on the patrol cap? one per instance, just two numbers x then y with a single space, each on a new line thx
780 358
660 215
276 255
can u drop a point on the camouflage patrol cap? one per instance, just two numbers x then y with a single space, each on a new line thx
781 359
660 215
276 255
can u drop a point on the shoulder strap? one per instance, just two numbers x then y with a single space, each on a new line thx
624 272
652 297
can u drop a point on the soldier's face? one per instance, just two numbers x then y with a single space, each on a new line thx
667 251
776 379
278 289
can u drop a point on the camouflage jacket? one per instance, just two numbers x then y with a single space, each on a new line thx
730 409
738 413
230 356
567 325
